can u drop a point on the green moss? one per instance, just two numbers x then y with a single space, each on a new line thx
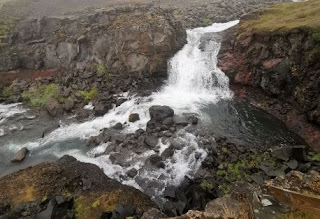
205 185
40 94
225 188
240 169
7 92
103 70
96 204
206 21
286 16
314 157
89 95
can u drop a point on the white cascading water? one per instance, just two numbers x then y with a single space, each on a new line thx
194 80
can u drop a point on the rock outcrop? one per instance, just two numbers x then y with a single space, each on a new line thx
282 58
128 39
91 190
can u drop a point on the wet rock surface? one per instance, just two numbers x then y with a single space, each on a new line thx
20 155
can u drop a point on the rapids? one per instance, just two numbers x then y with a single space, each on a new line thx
195 84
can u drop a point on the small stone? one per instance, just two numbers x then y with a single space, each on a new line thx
168 152
69 104
134 117
265 202
120 101
151 141
100 109
170 192
20 155
132 172
292 164
53 107
118 126
197 155
139 131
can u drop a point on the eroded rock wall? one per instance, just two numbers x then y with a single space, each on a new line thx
122 40
283 64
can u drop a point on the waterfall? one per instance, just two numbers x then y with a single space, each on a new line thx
194 77
194 80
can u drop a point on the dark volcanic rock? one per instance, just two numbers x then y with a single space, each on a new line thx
100 109
295 152
4 208
82 114
156 161
119 213
118 126
55 207
160 113
20 155
132 172
151 141
168 152
49 130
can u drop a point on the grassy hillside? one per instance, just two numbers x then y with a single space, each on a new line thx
287 16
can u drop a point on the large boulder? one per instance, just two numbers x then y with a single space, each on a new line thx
93 191
160 113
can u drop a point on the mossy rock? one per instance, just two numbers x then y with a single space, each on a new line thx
92 190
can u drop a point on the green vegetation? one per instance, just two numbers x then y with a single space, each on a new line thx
89 95
287 16
96 204
225 188
207 21
40 94
205 185
240 169
101 69
7 92
314 157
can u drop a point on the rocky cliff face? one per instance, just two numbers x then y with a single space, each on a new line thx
282 60
130 40
282 64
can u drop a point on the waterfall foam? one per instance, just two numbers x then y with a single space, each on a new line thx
194 79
